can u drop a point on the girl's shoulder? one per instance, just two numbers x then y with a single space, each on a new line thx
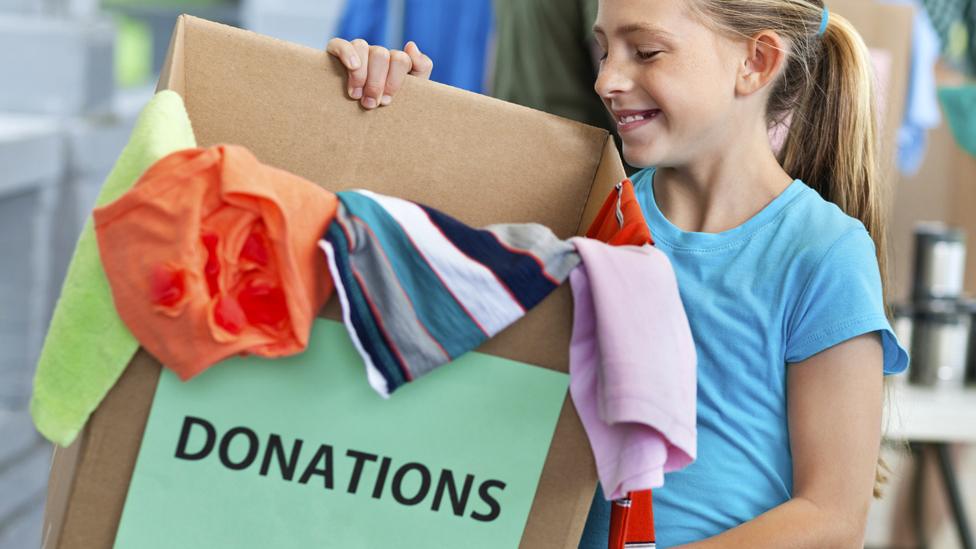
826 232
814 211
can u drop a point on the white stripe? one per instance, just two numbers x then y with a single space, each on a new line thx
474 285
373 375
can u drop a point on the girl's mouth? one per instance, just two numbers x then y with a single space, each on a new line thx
634 119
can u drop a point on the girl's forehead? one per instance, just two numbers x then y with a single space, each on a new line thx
662 17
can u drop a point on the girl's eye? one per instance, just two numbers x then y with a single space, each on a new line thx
646 55
603 56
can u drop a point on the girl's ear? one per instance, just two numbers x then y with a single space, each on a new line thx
765 57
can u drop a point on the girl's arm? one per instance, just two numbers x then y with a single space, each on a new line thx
834 404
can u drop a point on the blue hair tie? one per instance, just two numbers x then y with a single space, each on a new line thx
824 20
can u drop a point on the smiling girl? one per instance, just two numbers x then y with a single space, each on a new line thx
778 256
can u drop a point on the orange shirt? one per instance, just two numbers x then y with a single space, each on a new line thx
213 253
620 220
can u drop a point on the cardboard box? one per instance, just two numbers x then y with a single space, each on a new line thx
479 159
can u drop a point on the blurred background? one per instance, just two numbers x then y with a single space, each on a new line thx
75 73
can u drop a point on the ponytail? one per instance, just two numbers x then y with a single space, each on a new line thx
832 143
826 91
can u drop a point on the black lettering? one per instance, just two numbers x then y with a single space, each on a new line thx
325 455
397 486
286 465
188 423
252 450
357 469
446 482
381 477
492 502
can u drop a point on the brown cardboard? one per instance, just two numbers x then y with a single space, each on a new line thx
927 196
479 159
964 193
942 190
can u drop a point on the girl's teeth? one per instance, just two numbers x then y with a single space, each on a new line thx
633 118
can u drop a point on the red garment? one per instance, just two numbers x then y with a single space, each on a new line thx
621 222
632 522
213 254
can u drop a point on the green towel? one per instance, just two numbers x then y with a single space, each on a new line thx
87 346
959 105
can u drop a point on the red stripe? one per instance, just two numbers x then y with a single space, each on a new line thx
413 308
376 316
379 323
489 269
433 270
542 266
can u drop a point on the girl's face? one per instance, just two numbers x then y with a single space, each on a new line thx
668 80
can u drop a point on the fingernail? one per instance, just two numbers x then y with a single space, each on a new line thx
369 102
357 93
386 100
353 62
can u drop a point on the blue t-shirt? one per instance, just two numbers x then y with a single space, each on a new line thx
797 278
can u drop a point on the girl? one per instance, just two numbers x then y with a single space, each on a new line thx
778 257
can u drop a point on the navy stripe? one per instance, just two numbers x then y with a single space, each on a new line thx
521 273
372 339
437 308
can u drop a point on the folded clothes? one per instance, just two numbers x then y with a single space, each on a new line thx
632 361
214 254
419 288
87 346
632 366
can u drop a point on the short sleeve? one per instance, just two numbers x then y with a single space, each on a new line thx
842 300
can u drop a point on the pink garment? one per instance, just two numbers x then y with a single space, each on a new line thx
632 365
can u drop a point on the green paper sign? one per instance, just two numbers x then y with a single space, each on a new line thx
300 452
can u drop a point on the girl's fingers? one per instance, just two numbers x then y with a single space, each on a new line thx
357 77
422 65
345 52
400 65
375 73
379 66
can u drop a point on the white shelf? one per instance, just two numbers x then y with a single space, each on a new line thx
932 415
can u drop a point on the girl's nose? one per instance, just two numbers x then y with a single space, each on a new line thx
610 81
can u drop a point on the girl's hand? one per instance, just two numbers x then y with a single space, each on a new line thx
376 73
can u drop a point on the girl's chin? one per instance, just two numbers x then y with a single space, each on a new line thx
643 157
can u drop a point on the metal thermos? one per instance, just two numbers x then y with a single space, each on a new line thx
940 342
940 262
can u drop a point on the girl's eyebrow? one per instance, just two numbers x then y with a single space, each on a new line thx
635 27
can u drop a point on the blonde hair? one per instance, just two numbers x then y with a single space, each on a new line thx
826 92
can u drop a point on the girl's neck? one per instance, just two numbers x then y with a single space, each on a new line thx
723 191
